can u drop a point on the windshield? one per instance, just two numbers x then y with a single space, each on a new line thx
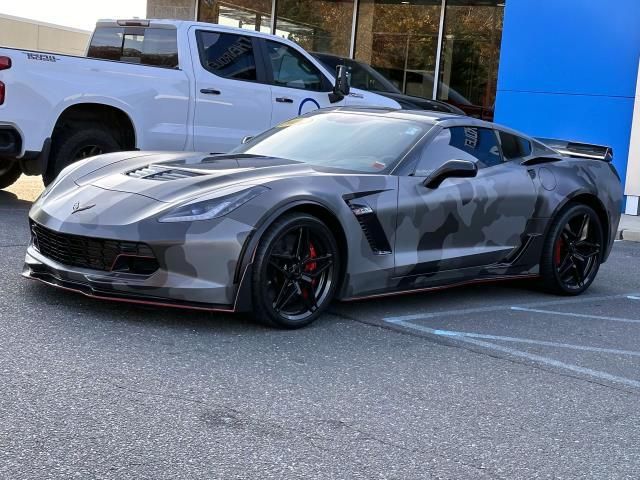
349 141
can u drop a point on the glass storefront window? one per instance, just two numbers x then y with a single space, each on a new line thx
399 39
396 42
316 25
249 14
470 55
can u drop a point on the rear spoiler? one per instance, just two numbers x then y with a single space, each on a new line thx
579 150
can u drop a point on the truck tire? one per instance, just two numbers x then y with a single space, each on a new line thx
73 145
9 173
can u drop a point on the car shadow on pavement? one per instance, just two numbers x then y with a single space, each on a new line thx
10 200
74 305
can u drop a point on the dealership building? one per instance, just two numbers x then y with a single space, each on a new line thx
564 69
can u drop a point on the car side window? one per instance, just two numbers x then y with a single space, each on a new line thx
514 147
291 69
227 55
479 145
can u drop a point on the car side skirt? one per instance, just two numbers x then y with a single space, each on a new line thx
442 287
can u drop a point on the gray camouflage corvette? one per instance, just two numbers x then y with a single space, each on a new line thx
340 203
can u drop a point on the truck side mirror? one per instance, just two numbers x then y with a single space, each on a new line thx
341 87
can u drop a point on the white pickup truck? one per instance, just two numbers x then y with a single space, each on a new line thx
156 85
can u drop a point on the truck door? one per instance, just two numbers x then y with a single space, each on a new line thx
232 100
297 85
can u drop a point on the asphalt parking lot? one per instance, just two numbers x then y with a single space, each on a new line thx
498 381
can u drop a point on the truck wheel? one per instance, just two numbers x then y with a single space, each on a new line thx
71 146
9 173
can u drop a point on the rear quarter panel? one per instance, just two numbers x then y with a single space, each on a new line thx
563 181
40 87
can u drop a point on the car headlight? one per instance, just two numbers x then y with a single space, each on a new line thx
213 207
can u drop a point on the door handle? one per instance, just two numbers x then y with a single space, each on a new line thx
210 91
284 100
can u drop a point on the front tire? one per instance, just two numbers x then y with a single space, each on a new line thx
573 251
295 272
9 173
74 145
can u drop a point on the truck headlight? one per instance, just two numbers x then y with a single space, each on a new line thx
210 208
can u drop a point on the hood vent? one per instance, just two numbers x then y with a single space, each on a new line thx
161 173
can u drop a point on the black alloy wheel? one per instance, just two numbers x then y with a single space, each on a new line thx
295 272
573 251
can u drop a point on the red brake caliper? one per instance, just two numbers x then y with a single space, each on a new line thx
557 254
310 267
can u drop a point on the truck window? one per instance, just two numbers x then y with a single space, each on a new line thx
157 47
291 69
227 55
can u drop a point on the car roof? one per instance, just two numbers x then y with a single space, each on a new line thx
427 116
442 119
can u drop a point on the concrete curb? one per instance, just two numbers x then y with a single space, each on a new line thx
628 235
629 228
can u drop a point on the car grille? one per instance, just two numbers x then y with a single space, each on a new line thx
93 253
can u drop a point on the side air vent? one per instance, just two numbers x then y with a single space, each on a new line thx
371 228
161 173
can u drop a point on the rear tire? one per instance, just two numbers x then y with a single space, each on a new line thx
10 172
73 145
295 272
572 251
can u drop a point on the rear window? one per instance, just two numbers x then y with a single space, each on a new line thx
157 47
514 146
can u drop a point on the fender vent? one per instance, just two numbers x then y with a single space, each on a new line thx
161 173
371 228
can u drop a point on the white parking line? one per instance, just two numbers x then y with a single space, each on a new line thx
578 315
465 311
482 336
518 353
632 297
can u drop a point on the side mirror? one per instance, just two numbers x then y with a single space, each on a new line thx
341 87
451 169
246 139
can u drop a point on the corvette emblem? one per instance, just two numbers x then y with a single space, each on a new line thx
77 208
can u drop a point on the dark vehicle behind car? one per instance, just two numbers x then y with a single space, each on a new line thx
365 77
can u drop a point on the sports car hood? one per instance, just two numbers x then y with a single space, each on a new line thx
169 177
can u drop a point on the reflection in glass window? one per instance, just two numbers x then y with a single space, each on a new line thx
291 69
361 143
513 146
248 14
148 46
363 76
227 55
479 145
399 39
316 25
470 55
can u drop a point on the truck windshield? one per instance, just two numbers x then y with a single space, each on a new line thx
350 141
157 47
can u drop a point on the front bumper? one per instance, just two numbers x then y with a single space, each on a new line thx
159 289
